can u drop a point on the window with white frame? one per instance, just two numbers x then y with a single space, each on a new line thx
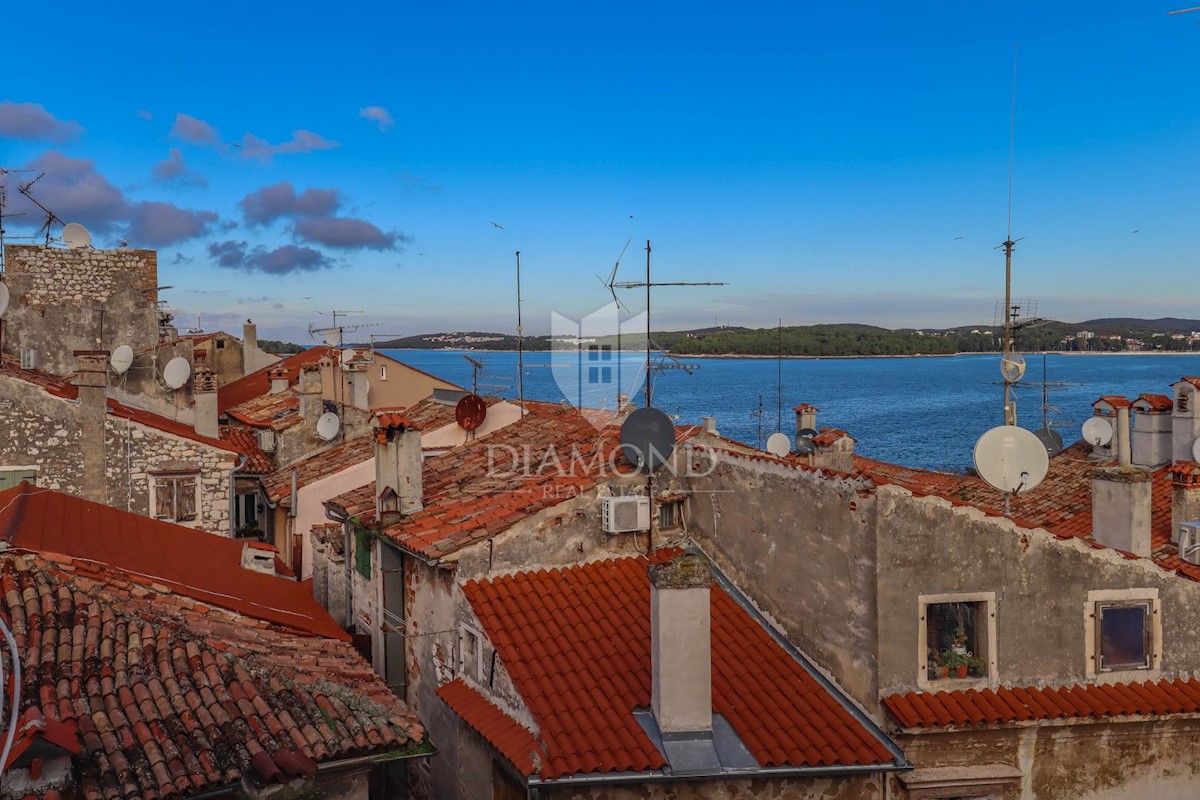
957 638
383 372
470 648
1124 633
174 497
12 476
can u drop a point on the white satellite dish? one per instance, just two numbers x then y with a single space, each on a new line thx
778 444
1196 449
328 426
1097 431
4 297
177 371
1012 367
1011 459
346 356
75 236
121 359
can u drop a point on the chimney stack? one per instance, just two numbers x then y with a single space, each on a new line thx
806 417
833 449
710 424
91 377
1122 434
1152 430
398 484
249 337
1110 407
312 405
1185 421
204 399
279 379
681 645
1185 495
359 385
1121 508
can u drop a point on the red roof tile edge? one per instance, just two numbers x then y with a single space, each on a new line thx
515 742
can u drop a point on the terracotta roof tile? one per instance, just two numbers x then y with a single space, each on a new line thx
153 552
972 707
257 383
1153 402
513 740
246 443
278 484
278 411
167 700
1114 400
576 644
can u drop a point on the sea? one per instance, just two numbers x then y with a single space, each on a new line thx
924 412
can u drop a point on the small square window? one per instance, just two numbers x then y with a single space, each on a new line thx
470 653
174 497
956 639
670 514
1124 636
220 344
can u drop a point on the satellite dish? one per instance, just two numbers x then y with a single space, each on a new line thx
470 412
805 446
806 433
1012 367
778 444
1051 439
328 426
647 438
4 297
1097 431
1196 449
347 355
75 236
122 359
1011 459
177 371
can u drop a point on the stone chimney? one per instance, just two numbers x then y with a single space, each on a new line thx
680 645
279 379
312 406
833 449
249 336
1110 407
359 385
1185 419
710 424
398 484
1152 430
91 376
1185 495
259 557
1121 508
204 398
806 417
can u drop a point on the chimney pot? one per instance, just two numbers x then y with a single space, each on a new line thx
1121 508
398 460
710 424
681 644
279 379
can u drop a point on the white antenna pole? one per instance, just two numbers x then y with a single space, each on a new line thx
1010 410
520 343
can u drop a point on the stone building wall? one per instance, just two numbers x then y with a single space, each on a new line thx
43 431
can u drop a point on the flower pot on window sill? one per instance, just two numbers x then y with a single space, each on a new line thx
960 671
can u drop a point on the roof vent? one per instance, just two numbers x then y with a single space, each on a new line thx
266 441
625 514
1189 542
29 358
259 557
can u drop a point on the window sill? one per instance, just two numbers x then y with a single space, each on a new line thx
954 684
1126 676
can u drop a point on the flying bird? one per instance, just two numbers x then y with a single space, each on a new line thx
497 225
956 238
1133 232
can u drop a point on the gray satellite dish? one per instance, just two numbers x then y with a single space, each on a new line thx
1012 367
647 438
805 446
4 297
1097 431
778 444
75 236
1051 439
121 359
1196 449
177 371
806 433
1011 459
328 426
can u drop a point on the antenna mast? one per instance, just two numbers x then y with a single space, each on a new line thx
1010 410
520 343
779 382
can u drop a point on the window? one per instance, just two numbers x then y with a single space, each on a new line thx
220 344
1124 633
670 514
174 497
383 372
470 652
957 638
362 552
12 476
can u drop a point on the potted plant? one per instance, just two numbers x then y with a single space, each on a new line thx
976 667
937 670
955 662
959 644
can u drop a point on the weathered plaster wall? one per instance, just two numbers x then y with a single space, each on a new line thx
310 507
41 430
853 788
1093 761
61 299
802 546
1041 585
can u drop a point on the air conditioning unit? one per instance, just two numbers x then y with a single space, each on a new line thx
266 441
625 514
29 358
1189 542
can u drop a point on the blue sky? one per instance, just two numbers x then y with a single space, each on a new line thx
822 158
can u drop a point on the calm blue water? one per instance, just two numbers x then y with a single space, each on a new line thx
921 412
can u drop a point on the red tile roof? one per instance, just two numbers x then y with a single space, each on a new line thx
806 407
514 741
1031 704
257 383
828 436
468 493
245 441
1114 400
171 699
576 644
52 384
1153 402
278 411
278 484
159 553
33 727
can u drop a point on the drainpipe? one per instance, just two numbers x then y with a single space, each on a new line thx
233 494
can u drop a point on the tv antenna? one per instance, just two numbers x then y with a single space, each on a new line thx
476 369
610 285
1010 409
759 416
650 284
520 345
3 206
334 334
51 217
